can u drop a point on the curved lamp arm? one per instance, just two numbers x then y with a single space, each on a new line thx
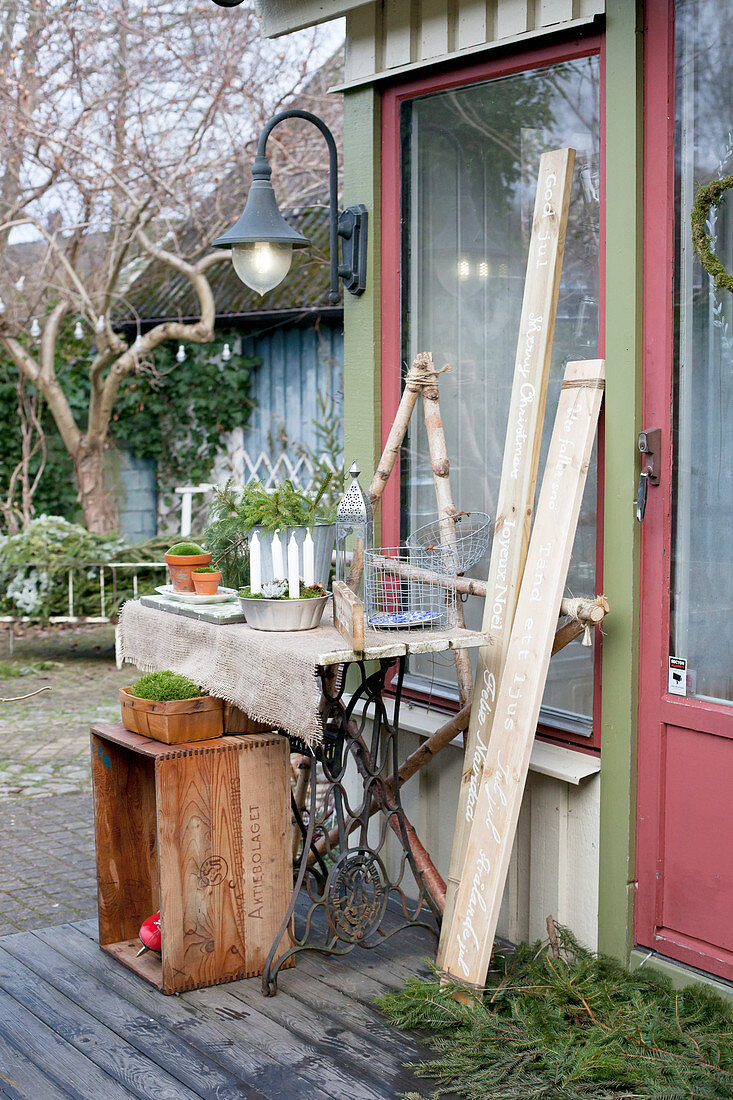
262 223
333 296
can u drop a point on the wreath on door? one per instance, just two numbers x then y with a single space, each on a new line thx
708 198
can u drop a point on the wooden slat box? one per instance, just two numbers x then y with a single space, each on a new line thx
200 831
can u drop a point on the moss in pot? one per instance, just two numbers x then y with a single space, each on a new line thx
182 558
169 707
206 580
163 687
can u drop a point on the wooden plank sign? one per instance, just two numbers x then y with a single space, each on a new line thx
348 615
518 480
471 935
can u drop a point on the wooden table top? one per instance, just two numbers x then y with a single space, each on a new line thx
328 647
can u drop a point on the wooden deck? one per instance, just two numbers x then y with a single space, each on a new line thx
74 1023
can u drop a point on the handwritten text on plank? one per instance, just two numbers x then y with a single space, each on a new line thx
529 342
489 799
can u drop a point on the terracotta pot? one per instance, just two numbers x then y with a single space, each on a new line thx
181 566
175 721
206 584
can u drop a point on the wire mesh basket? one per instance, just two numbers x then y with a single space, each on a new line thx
452 544
402 592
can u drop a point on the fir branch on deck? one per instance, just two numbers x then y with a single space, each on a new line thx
577 1027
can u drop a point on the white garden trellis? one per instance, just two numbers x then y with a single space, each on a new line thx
302 471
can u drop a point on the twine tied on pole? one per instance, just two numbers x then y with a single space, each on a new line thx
423 371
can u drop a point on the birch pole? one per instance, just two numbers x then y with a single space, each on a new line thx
518 481
470 937
421 370
440 464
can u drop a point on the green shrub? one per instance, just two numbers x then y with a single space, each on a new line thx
35 564
205 569
165 686
182 549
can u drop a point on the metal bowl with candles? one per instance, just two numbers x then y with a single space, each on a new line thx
281 613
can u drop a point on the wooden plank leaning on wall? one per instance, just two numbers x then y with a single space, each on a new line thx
518 480
470 937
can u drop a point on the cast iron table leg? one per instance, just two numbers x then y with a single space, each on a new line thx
342 872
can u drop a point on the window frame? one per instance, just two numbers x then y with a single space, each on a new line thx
438 80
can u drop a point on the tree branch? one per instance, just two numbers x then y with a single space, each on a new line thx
48 341
201 332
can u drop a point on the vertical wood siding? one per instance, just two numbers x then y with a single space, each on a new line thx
297 363
554 862
389 34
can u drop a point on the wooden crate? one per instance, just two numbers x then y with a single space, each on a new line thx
202 832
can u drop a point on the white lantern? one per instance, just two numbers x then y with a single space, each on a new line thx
354 527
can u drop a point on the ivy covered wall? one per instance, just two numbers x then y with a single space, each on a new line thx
169 416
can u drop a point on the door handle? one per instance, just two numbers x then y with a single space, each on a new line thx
641 495
650 445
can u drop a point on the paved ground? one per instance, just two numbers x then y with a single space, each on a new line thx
46 846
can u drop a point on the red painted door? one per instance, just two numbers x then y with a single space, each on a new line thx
684 902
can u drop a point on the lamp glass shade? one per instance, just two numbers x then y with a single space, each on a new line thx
262 265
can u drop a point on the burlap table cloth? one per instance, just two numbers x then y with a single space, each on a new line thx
271 676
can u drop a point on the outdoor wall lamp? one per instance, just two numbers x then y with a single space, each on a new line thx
262 242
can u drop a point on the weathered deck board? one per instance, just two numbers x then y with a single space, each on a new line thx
59 1061
20 1078
207 1021
187 1042
81 1030
74 1023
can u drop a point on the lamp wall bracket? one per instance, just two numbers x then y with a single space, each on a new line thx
352 229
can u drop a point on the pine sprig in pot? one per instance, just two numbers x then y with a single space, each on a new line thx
284 507
235 512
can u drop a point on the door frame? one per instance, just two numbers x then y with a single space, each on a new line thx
657 708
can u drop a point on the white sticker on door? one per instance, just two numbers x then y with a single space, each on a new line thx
677 676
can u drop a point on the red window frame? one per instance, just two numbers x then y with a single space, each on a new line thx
391 305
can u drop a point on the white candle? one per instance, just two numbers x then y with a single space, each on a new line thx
293 569
255 564
278 562
309 561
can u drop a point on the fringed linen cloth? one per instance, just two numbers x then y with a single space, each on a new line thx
271 676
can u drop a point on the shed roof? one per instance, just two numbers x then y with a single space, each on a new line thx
161 293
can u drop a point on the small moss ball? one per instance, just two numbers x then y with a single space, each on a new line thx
181 549
162 687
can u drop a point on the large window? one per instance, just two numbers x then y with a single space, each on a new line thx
470 158
703 453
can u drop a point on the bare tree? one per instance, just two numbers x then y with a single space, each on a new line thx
118 124
17 506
